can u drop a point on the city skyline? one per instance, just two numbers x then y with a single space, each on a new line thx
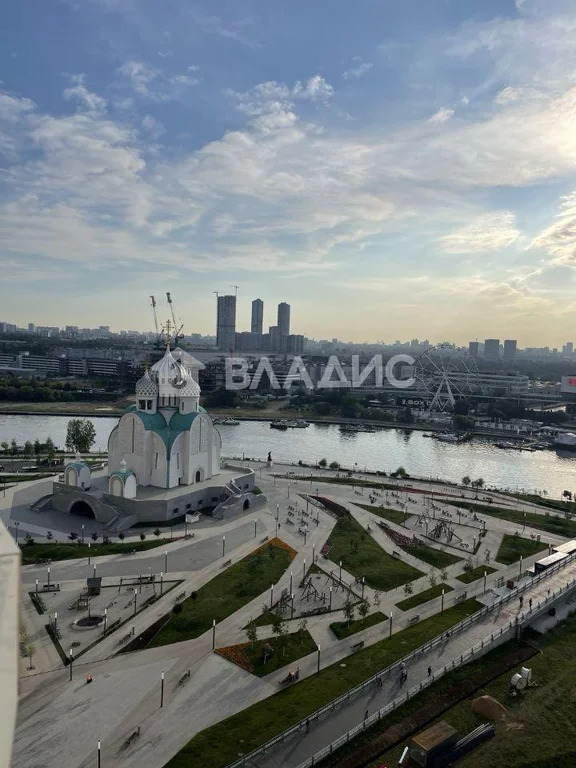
415 163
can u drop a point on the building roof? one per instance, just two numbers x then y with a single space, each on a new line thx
155 422
78 465
145 386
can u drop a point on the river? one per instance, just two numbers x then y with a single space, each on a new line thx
385 449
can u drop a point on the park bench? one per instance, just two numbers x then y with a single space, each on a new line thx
133 736
396 554
51 587
227 563
357 646
184 677
125 638
180 596
264 539
461 597
414 619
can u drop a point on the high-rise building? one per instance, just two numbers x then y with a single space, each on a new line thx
273 338
568 349
473 348
510 346
257 316
283 319
492 350
226 323
31 328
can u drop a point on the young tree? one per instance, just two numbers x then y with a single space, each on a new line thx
50 448
72 535
142 536
432 578
252 634
302 625
408 588
13 446
5 446
377 599
121 536
322 463
28 448
37 447
94 536
349 611
466 480
444 573
157 532
80 435
334 465
364 608
49 535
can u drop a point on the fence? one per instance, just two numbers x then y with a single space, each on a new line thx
528 615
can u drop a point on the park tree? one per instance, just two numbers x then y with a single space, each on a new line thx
302 626
5 446
121 536
432 578
252 634
37 447
377 599
334 465
50 448
349 611
157 532
408 588
444 573
80 435
72 535
94 536
466 480
364 608
142 536
322 463
49 535
28 448
13 446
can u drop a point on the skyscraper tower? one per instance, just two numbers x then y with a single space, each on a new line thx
283 326
257 316
510 346
226 323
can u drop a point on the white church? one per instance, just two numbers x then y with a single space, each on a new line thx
167 439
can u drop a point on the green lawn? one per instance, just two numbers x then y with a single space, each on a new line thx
476 573
344 629
437 558
553 522
424 597
394 515
362 556
286 650
539 730
224 742
225 594
343 481
512 547
31 553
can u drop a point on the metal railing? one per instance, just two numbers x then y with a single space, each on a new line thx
457 628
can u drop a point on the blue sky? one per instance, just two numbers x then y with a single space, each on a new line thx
390 169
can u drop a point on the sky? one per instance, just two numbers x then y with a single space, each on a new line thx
392 170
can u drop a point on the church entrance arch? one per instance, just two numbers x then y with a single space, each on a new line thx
199 476
246 505
82 509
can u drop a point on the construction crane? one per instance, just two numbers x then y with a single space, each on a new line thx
153 302
177 330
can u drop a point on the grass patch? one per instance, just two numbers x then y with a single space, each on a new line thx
552 523
394 515
222 743
437 558
226 593
344 629
32 553
423 597
544 730
344 481
362 556
514 547
476 573
287 649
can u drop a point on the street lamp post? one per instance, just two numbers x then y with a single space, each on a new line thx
330 606
105 620
363 584
48 574
36 586
16 524
291 579
318 667
71 659
88 553
340 576
162 691
485 576
255 527
313 553
292 606
161 583
135 601
56 623
94 570
165 561
213 634
82 534
390 628
520 570
223 545
442 606
99 750
303 570
271 595
306 536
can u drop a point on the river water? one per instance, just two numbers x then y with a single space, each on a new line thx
385 449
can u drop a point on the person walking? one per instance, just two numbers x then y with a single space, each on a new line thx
429 671
530 603
365 715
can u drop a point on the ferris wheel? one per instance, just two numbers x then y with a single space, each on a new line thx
443 375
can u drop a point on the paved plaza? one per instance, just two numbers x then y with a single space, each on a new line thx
126 689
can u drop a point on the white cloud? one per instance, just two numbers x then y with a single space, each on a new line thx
489 232
442 115
559 239
86 99
357 71
152 84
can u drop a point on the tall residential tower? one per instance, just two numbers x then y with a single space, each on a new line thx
226 323
257 316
